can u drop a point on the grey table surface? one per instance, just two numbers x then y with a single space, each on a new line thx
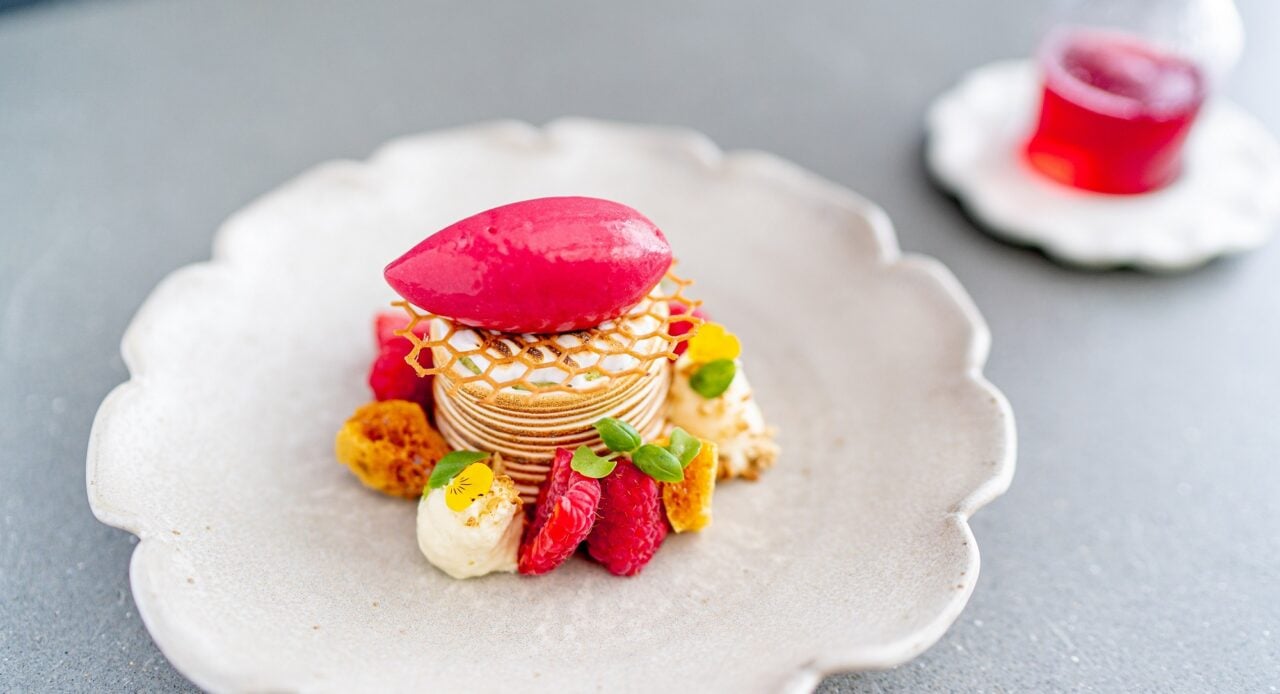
1139 547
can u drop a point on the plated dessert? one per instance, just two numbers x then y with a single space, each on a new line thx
863 526
545 384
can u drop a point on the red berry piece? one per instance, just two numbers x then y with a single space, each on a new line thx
564 517
631 525
390 376
538 266
678 328
386 323
554 487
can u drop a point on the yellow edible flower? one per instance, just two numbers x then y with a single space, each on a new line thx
472 483
713 342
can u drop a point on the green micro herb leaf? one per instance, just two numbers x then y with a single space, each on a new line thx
658 463
451 465
470 364
684 446
588 463
619 436
712 379
536 384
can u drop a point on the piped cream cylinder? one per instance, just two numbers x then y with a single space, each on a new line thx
481 539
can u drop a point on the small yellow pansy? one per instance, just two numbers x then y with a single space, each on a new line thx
713 342
472 483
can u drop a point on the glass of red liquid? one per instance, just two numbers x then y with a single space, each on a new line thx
1123 82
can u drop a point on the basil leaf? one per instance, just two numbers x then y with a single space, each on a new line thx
450 465
684 446
712 379
588 463
619 436
658 463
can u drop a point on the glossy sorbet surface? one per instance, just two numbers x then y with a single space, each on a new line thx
538 266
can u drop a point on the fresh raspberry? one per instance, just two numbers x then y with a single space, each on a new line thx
679 328
390 376
554 487
565 514
631 526
386 324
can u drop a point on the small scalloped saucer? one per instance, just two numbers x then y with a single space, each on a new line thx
263 565
1226 201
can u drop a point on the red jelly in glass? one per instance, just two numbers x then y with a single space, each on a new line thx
1115 113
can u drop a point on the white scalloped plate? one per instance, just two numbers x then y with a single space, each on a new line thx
1226 201
264 565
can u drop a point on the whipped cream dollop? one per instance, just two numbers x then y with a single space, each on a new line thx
480 539
732 420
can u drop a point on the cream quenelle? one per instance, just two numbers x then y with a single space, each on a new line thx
732 420
482 538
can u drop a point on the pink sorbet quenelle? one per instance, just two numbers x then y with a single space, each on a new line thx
538 266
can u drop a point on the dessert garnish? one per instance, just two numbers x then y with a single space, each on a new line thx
711 398
630 526
563 518
390 376
465 532
452 464
664 464
681 327
712 379
538 266
713 342
467 486
464 478
488 363
688 502
715 349
547 355
390 447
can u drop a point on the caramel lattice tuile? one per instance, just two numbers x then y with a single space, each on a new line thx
490 365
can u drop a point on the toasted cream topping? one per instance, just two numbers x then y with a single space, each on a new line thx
604 345
733 420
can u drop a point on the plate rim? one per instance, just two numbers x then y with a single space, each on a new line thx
204 671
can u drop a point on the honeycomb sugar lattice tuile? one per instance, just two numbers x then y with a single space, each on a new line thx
488 364
391 447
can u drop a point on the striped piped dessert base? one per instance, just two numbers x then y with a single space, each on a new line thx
525 432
